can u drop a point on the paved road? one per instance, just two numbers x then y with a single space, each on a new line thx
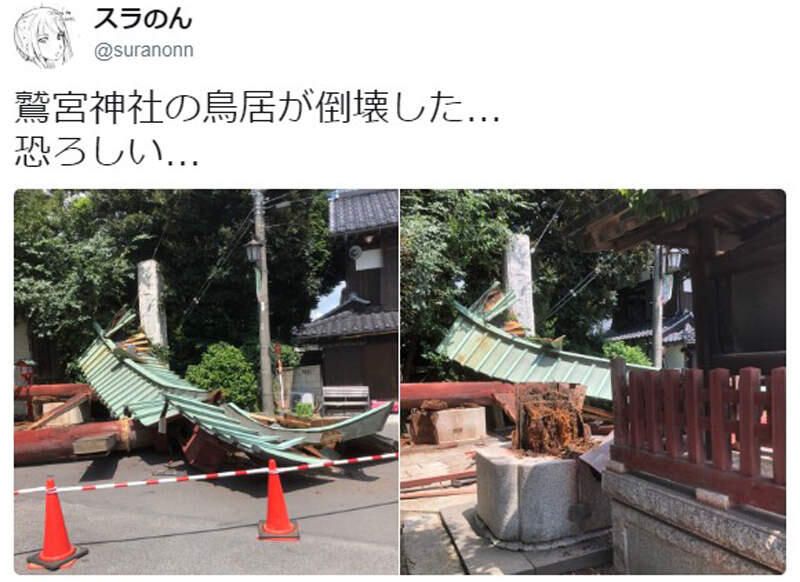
348 520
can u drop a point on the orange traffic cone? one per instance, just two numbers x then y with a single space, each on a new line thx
277 526
58 552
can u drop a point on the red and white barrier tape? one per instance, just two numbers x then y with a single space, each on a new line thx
208 476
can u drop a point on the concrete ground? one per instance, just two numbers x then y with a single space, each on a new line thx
348 519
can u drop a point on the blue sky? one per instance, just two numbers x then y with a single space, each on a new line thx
327 302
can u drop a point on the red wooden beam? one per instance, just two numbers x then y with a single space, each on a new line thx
755 491
454 393
56 390
55 443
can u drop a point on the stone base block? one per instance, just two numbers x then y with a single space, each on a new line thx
538 499
662 529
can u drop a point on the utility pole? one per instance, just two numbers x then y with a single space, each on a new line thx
262 292
658 308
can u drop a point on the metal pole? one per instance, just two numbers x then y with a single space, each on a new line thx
262 292
658 308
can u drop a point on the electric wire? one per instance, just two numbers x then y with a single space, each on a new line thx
221 262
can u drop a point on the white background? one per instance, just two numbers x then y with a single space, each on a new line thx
687 94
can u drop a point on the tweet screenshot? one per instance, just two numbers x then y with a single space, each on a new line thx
413 288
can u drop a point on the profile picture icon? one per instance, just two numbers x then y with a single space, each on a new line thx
42 38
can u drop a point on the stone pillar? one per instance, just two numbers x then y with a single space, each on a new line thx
151 307
518 278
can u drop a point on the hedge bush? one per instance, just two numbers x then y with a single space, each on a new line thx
224 367
631 354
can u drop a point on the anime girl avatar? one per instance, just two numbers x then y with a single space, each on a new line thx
41 37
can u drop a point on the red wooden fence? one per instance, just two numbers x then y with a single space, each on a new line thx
685 425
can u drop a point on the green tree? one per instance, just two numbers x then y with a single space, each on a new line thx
224 367
76 255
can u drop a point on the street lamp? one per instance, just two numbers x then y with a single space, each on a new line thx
674 259
253 249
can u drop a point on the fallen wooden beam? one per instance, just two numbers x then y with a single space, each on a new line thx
76 400
409 483
454 393
438 493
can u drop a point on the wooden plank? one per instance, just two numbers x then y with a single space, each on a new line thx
636 409
76 400
671 382
693 384
778 421
439 493
409 483
619 390
651 382
749 418
719 380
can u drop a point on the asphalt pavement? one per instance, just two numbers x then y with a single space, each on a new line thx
348 519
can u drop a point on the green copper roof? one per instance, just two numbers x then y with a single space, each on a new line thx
131 382
248 437
131 385
478 345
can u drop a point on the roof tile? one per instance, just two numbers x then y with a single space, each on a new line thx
359 210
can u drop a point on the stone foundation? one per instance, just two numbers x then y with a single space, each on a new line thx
661 528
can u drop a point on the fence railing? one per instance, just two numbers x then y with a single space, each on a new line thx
712 430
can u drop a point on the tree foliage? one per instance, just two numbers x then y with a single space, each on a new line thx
76 254
68 269
224 367
452 247
561 262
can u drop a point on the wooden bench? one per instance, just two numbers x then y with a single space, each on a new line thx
345 399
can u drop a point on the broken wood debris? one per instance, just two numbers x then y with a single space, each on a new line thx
553 427
74 401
